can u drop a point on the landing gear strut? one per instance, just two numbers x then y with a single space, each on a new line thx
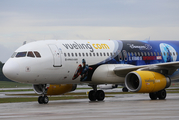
160 94
96 94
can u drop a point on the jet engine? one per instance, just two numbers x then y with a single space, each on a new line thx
54 89
146 81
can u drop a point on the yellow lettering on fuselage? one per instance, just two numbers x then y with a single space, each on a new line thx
100 46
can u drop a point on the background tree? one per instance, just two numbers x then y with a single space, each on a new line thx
2 77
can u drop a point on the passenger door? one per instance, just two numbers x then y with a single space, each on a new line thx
57 60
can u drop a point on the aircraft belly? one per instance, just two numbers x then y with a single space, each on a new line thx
105 74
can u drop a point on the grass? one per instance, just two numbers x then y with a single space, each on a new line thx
8 84
21 90
12 100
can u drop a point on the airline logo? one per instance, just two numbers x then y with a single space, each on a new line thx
144 47
100 46
86 46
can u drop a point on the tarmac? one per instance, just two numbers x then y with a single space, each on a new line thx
119 107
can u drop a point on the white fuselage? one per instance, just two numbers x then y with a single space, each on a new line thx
59 61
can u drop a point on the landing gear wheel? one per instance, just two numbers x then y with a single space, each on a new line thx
100 95
45 99
40 100
162 94
124 89
153 96
92 95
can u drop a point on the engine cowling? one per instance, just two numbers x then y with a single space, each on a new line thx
146 81
54 89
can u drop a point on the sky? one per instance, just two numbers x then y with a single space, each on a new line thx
32 20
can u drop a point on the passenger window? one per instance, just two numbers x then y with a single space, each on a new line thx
72 54
76 54
111 54
164 53
154 53
107 54
86 54
142 53
93 54
83 54
174 53
37 54
68 54
145 53
97 54
135 53
65 54
151 53
132 53
128 53
90 54
138 53
161 53
30 54
148 53
158 53
104 54
101 54
21 54
79 54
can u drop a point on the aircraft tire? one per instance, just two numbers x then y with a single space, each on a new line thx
153 96
45 99
124 89
40 100
100 95
92 95
162 94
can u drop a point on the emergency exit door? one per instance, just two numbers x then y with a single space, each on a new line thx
57 60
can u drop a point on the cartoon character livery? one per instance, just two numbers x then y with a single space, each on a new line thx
54 66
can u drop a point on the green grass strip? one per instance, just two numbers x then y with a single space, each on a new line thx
12 100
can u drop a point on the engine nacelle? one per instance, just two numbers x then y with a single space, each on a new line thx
54 89
146 81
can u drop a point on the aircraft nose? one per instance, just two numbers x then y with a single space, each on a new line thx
11 69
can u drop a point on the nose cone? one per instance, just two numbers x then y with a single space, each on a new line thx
11 69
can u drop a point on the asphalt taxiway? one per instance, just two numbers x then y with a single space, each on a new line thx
120 107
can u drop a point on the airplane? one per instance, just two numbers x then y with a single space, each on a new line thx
55 67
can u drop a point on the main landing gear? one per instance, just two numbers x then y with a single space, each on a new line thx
96 94
160 94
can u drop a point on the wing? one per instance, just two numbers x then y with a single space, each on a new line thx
164 68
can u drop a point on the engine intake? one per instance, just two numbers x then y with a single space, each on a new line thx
146 81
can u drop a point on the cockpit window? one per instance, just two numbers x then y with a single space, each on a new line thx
30 54
21 54
13 55
37 54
